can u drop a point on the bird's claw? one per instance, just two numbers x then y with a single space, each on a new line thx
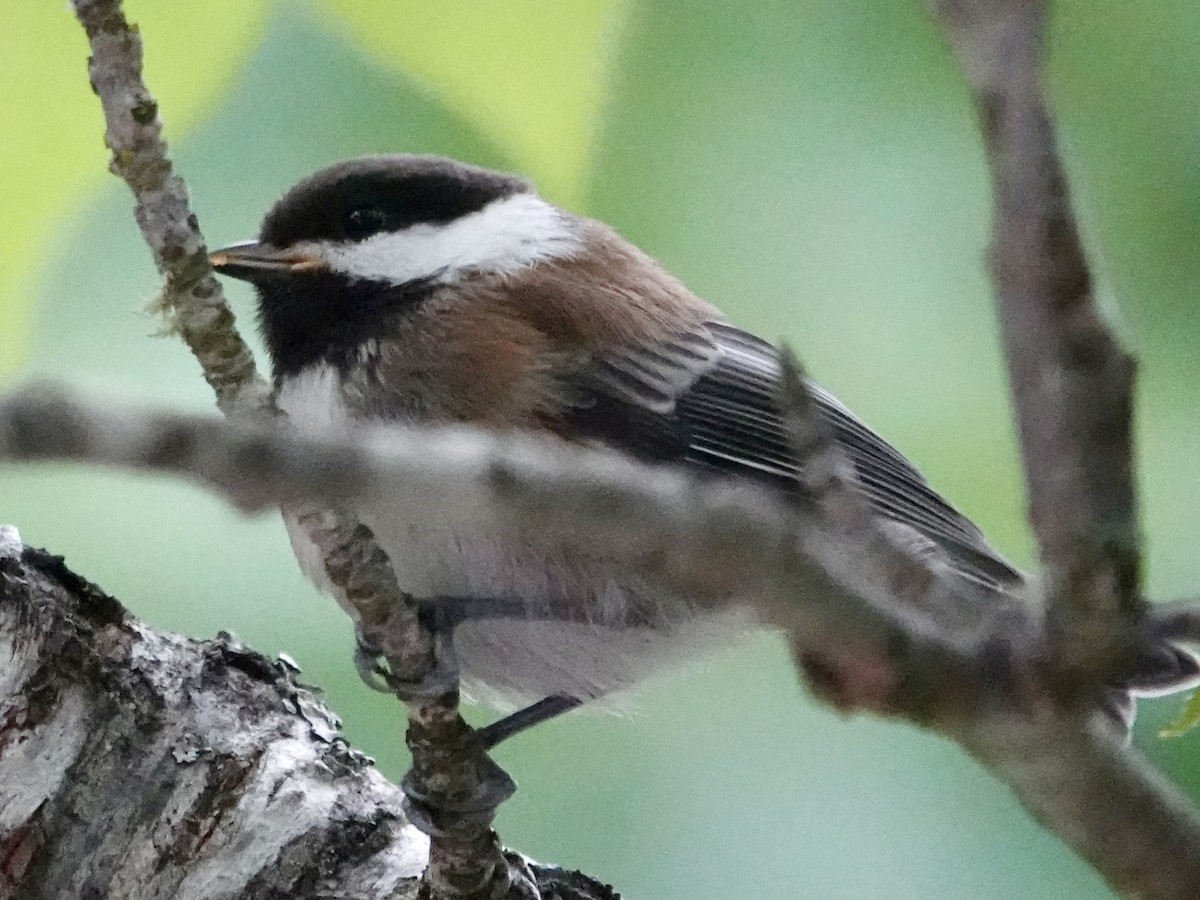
441 679
366 663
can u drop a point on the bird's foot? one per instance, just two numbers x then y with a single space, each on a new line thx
439 680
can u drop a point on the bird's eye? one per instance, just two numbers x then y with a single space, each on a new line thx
364 221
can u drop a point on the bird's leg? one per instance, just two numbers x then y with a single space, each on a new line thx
439 738
426 806
441 616
441 813
453 611
453 789
526 718
451 793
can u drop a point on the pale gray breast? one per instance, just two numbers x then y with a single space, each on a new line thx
609 630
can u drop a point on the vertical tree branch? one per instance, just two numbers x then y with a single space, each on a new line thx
195 306
191 297
1071 382
1072 390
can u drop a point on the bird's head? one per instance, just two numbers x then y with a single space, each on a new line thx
361 241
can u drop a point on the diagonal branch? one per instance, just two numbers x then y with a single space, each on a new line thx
191 297
195 307
1071 381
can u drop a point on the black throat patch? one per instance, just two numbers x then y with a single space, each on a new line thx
325 316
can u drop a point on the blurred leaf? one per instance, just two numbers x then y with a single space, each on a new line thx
531 74
53 130
1188 719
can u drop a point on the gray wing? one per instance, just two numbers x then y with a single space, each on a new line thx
707 399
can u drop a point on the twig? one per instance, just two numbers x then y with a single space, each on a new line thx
195 306
191 294
1072 383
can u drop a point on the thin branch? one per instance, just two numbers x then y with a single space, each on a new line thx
1071 382
1100 796
195 307
191 296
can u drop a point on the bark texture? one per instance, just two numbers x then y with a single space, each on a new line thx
137 764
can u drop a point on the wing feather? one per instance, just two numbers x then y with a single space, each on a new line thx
708 399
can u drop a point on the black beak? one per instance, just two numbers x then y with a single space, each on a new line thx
253 261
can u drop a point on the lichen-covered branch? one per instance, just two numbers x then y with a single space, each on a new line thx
195 308
191 298
139 764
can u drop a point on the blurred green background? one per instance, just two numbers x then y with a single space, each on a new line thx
813 168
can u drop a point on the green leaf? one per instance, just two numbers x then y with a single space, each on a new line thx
1187 719
53 150
533 75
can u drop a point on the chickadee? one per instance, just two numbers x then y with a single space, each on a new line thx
416 289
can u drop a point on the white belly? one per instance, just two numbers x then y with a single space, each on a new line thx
510 661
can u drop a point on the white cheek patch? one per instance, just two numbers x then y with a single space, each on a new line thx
505 236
